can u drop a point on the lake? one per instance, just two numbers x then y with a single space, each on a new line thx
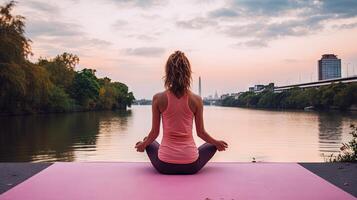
271 136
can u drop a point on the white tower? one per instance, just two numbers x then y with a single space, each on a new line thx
199 87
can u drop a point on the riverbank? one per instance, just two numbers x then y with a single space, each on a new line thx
352 109
342 175
63 112
341 96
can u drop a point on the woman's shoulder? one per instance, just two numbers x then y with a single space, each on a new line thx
160 99
195 101
159 95
194 97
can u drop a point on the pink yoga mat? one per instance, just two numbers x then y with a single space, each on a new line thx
115 181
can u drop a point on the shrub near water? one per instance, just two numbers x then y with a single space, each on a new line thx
348 150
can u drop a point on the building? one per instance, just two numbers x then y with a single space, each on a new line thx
223 96
236 95
256 88
260 88
329 67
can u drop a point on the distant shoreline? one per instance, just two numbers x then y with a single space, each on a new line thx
58 112
354 110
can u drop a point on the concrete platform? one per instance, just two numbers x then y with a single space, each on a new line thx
343 175
216 181
12 174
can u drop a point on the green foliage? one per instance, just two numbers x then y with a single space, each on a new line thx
12 86
267 100
61 69
340 96
113 95
50 85
14 46
38 88
85 89
296 98
59 100
348 150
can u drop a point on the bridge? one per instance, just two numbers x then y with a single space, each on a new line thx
316 83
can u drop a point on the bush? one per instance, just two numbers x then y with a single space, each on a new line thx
60 100
348 150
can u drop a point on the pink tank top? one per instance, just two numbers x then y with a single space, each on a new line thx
177 145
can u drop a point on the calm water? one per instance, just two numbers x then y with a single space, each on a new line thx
110 136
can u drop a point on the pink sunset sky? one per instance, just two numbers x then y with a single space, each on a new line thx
232 44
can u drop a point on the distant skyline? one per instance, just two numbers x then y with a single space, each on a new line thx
232 44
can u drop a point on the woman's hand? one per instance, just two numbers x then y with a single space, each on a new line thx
140 146
221 145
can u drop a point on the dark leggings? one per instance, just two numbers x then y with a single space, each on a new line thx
206 152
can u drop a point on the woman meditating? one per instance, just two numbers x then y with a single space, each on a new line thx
178 106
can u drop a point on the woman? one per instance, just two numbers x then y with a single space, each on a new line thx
178 106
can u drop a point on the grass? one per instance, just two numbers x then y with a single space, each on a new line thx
348 150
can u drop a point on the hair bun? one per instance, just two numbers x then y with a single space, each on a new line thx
179 53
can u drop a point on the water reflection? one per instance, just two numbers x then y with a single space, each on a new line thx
271 136
330 132
54 137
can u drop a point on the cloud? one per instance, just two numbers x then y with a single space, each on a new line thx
38 28
196 23
139 3
340 8
346 26
253 43
291 60
93 42
73 43
41 6
118 24
267 7
223 12
145 51
261 33
261 21
333 8
145 37
57 36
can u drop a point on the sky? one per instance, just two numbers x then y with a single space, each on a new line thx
231 44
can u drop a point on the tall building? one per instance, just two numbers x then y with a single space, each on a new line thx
329 67
199 87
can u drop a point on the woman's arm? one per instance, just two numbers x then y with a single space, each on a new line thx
155 127
200 129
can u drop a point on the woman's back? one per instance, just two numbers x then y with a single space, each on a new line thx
177 144
177 107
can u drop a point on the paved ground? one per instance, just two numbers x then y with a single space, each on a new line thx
12 174
343 175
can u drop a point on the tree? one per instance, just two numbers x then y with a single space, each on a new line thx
345 98
37 88
85 88
267 100
59 100
14 46
107 96
61 69
50 85
12 87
